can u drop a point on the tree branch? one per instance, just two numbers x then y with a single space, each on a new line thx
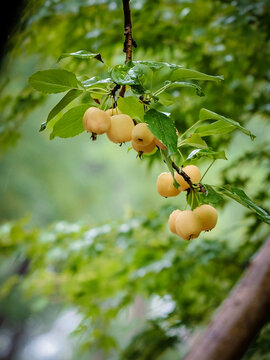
241 316
129 42
183 174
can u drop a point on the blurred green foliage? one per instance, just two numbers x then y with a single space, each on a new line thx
101 270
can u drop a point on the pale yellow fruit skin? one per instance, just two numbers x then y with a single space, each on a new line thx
96 121
141 135
208 214
112 112
165 185
188 225
193 172
159 144
120 129
171 220
144 149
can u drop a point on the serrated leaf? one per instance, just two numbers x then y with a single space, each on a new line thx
241 197
70 124
131 106
177 84
81 54
210 115
195 140
209 153
184 73
67 99
216 128
162 126
53 81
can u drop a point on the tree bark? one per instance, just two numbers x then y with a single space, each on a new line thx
240 317
129 42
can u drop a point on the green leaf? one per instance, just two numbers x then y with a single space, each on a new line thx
194 140
241 197
176 84
131 106
68 98
126 74
157 65
165 99
162 126
209 153
70 124
137 89
98 83
193 199
211 196
53 81
184 73
81 54
216 128
210 115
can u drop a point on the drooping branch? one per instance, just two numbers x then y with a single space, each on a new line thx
129 42
241 316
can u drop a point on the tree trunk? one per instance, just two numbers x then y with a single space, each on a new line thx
241 315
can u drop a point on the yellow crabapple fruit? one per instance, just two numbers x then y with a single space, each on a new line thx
188 225
147 149
171 220
96 121
141 135
193 172
120 129
208 214
113 111
165 186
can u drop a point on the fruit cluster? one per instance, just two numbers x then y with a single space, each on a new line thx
165 181
186 224
120 128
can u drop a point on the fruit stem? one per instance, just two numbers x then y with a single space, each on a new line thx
188 130
206 171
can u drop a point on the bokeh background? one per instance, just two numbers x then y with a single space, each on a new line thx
85 246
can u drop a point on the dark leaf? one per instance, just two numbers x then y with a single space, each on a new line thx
162 126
